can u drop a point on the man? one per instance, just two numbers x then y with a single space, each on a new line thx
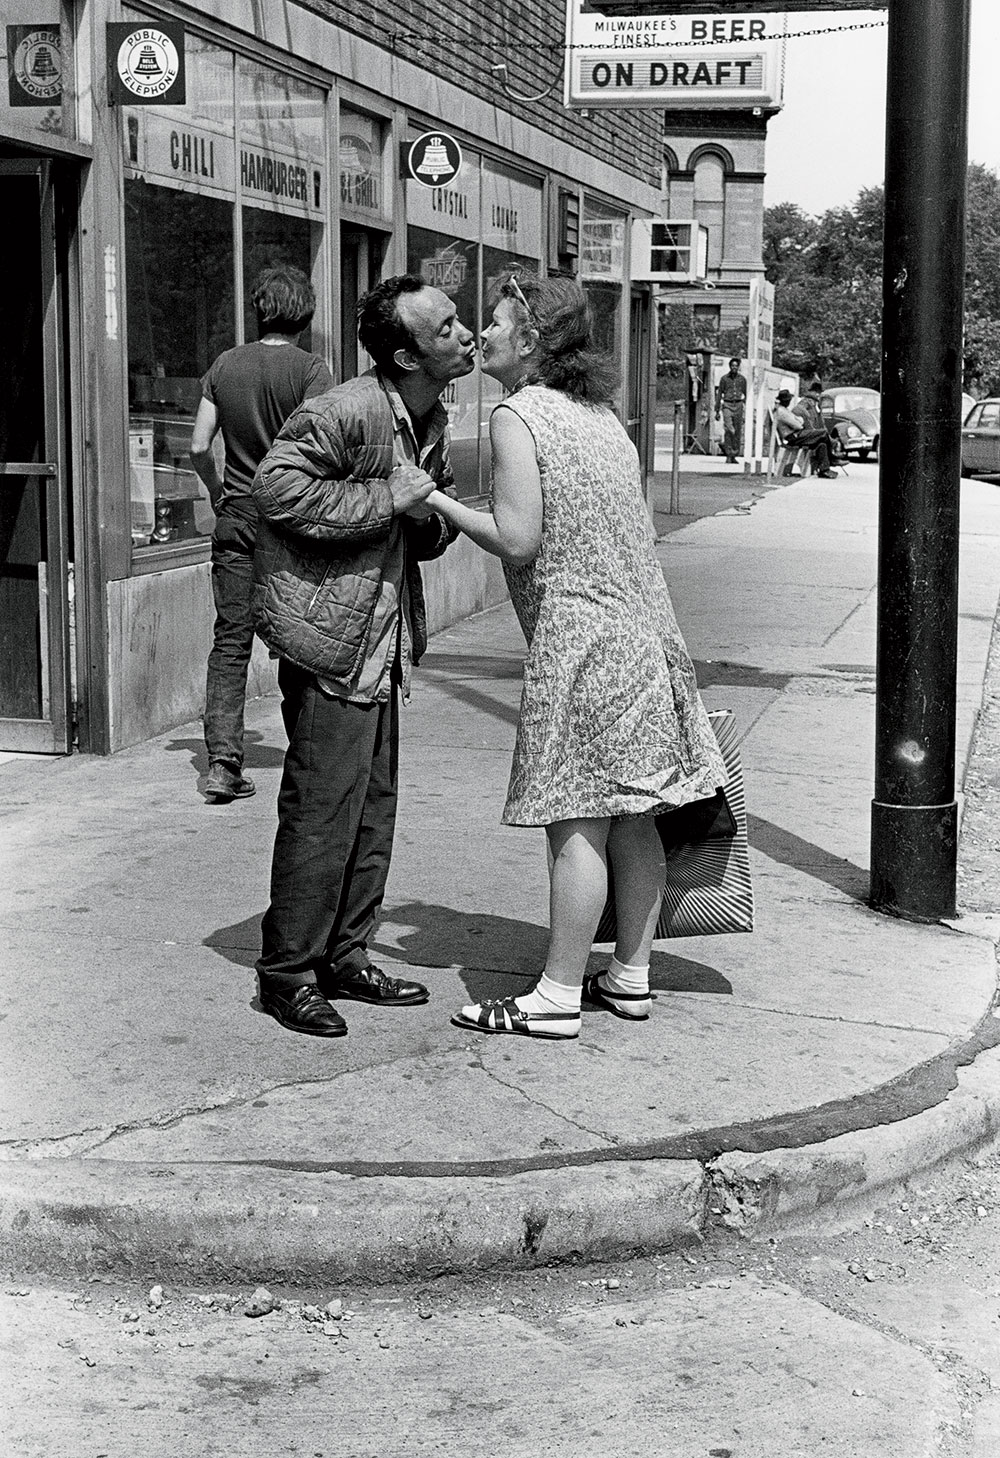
338 596
730 402
248 394
804 427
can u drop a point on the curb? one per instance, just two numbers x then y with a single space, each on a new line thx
756 1194
233 1222
249 1223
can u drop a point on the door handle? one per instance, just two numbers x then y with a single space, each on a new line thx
28 468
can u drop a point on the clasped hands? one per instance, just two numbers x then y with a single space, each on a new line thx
410 487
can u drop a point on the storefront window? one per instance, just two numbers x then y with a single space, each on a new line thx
282 175
186 169
602 272
495 218
180 287
34 44
180 316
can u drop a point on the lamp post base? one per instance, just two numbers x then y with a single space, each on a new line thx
914 854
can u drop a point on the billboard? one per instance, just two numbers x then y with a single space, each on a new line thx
671 60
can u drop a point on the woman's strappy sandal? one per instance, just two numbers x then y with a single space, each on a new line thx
502 1015
601 997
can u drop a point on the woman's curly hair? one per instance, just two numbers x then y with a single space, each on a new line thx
567 359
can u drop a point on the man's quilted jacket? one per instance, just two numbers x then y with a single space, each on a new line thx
326 526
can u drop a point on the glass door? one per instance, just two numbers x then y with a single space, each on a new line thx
34 648
638 417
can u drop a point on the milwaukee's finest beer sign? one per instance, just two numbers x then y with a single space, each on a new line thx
671 60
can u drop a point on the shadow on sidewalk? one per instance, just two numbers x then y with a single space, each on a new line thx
489 950
258 755
791 850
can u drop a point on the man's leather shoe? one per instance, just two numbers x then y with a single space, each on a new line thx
225 783
304 1010
370 984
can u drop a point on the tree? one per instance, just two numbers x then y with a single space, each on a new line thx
828 277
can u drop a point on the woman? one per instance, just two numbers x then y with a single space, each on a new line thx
611 728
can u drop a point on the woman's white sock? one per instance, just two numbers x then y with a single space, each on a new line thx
548 996
623 977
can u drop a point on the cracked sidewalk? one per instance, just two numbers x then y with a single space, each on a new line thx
150 1105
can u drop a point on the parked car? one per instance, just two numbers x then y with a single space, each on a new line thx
967 403
981 439
855 413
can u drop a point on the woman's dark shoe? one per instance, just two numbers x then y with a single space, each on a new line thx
304 1010
370 984
634 1007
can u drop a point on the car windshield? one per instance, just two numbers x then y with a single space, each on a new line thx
856 400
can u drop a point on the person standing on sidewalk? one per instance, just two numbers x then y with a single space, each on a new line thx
611 728
248 394
338 596
730 403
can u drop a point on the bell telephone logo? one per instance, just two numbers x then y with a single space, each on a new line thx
146 64
434 159
35 64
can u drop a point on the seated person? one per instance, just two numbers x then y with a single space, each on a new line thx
803 427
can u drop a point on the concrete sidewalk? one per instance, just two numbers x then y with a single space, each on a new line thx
157 1118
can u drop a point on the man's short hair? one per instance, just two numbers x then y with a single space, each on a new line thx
380 329
816 387
734 360
283 299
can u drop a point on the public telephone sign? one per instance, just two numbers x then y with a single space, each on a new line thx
670 60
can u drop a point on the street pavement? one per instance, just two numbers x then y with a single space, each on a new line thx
156 1119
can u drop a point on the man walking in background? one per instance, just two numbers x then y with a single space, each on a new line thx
730 403
248 394
338 596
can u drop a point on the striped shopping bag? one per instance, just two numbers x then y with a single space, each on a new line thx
708 889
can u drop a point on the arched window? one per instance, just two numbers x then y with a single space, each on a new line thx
710 201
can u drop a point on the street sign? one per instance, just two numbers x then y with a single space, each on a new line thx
670 61
434 159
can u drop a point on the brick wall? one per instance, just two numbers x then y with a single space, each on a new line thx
460 40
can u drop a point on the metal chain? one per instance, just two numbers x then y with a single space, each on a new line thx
727 44
417 37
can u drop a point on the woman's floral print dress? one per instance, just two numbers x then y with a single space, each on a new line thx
611 721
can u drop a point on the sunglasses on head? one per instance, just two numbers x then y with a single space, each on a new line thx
515 289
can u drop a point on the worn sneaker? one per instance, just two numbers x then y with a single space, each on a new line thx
224 783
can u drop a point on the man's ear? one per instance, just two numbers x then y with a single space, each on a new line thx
405 360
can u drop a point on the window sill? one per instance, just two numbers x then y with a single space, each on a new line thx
176 554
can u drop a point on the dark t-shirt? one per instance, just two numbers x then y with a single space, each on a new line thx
255 387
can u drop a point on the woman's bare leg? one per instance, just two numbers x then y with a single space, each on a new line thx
637 860
578 888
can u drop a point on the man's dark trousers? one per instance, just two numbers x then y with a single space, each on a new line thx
336 816
229 660
816 442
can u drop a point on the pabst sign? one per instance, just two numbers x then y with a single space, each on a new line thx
146 64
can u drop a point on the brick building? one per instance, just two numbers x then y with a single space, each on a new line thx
713 172
141 214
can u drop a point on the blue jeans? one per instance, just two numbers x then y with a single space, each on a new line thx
226 684
336 817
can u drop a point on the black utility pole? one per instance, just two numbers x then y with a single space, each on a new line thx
914 812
